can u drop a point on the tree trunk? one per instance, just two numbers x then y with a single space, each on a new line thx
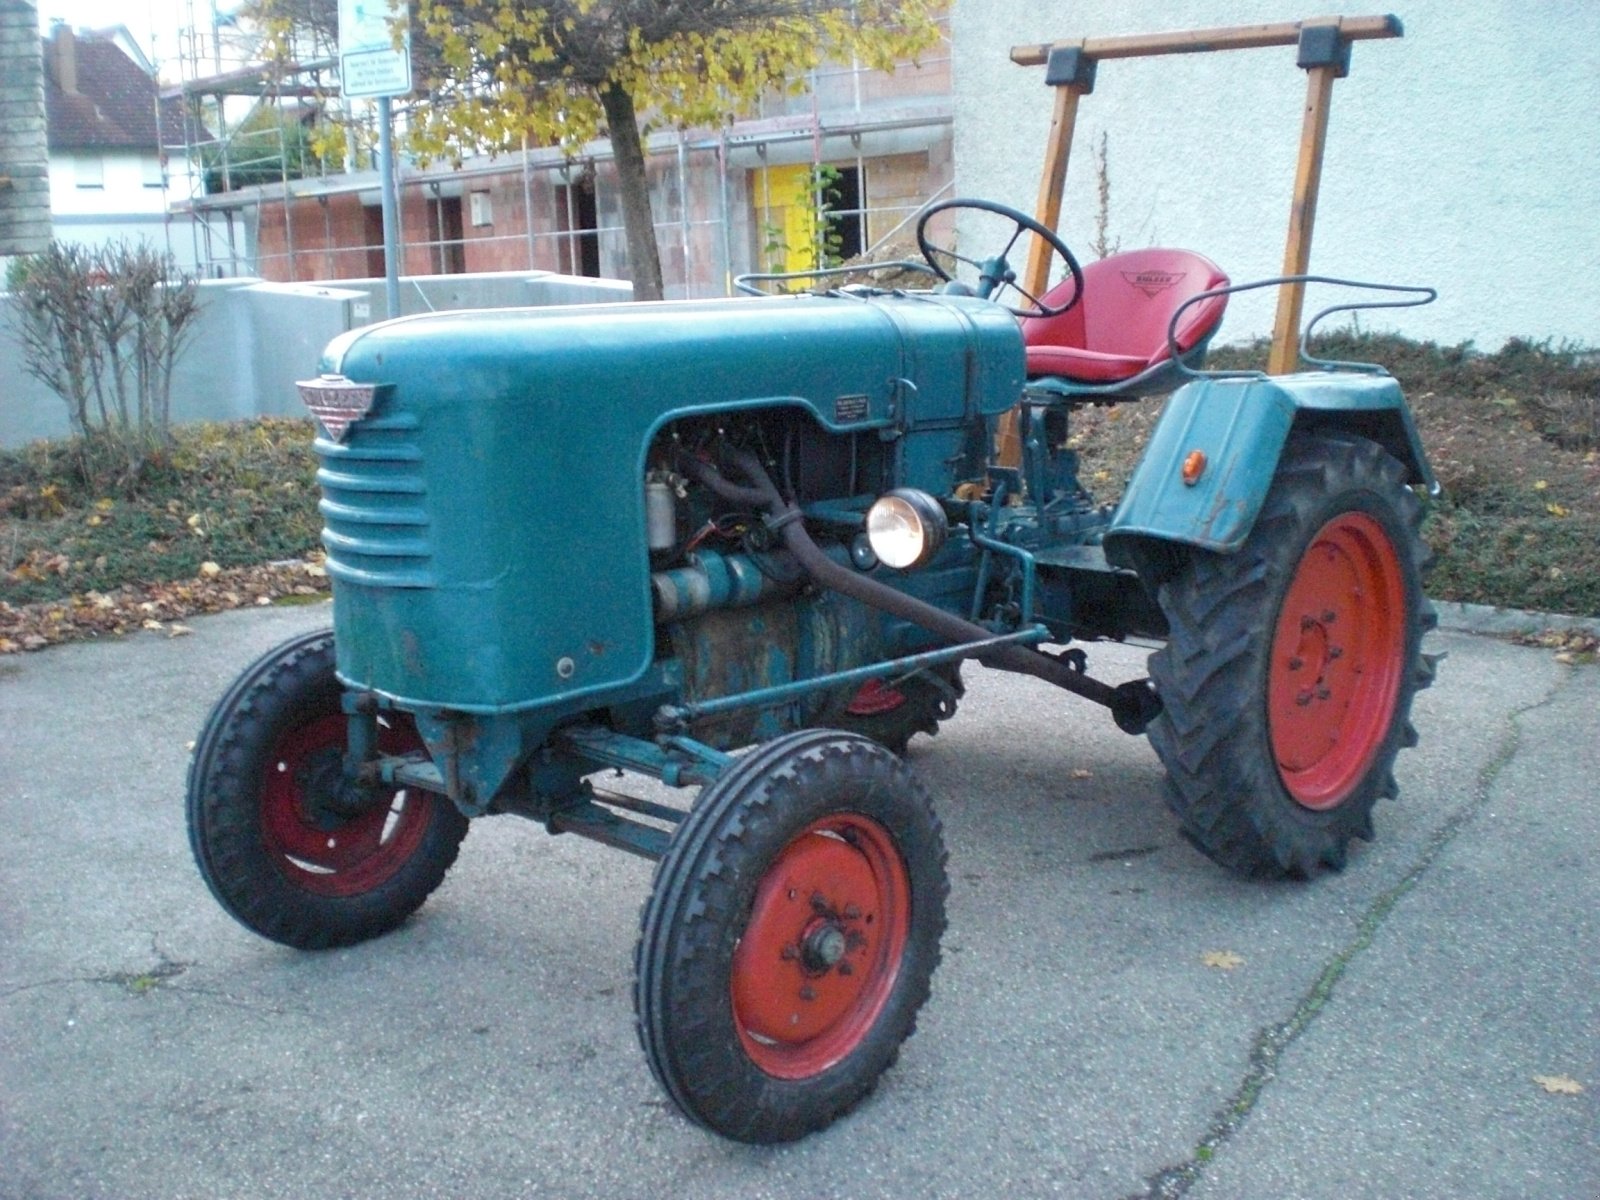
644 257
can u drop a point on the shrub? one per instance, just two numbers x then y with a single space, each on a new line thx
102 329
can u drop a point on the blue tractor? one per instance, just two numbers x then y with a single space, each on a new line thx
646 537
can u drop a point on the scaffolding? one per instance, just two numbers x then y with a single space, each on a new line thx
263 205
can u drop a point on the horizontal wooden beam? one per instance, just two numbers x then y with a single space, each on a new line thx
1200 41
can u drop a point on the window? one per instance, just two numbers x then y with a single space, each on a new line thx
88 171
450 244
153 171
481 210
577 218
843 211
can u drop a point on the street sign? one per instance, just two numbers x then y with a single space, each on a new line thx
369 64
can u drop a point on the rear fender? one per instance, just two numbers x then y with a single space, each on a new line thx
1240 426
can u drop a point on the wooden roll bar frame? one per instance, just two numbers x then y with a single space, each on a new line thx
1324 53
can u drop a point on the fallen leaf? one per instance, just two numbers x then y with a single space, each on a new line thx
1540 485
1222 960
263 599
1557 510
178 630
154 624
208 569
1560 1085
1080 773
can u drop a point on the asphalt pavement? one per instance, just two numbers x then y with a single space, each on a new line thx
1114 1017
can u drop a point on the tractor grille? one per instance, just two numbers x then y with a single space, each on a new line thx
374 517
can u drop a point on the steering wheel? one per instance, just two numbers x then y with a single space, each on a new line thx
996 274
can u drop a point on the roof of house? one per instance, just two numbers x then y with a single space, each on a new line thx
97 98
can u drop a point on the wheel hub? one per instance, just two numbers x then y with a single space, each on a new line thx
327 841
1337 651
821 950
823 947
320 780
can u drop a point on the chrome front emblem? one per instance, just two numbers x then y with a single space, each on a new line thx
337 402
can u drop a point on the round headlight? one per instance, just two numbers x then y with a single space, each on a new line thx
906 528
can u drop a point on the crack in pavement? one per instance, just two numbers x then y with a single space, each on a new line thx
137 982
1270 1043
143 982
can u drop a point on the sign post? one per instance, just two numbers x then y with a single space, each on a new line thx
371 65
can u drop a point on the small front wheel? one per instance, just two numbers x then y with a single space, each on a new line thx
791 936
273 843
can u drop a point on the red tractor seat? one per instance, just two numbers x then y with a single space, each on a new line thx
1117 332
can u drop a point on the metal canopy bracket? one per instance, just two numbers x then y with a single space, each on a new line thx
1323 46
1069 66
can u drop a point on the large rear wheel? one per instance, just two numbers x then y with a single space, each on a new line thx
1288 676
791 936
275 841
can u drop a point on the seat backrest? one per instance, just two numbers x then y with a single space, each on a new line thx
1128 301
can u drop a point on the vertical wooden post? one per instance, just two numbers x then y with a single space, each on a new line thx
1070 72
1285 353
1325 54
1058 149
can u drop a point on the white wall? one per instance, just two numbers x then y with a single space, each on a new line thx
125 207
253 339
122 189
1465 155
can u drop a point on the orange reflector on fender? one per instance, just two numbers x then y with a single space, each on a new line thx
1194 466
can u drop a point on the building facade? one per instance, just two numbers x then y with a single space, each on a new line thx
868 147
108 177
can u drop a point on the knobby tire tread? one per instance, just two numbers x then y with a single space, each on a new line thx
686 932
1222 778
224 820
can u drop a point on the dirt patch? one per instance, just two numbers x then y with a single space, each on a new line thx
1513 437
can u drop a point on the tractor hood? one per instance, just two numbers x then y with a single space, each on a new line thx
484 514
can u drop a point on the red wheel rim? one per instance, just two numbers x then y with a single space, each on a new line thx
345 858
875 698
1337 655
822 949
